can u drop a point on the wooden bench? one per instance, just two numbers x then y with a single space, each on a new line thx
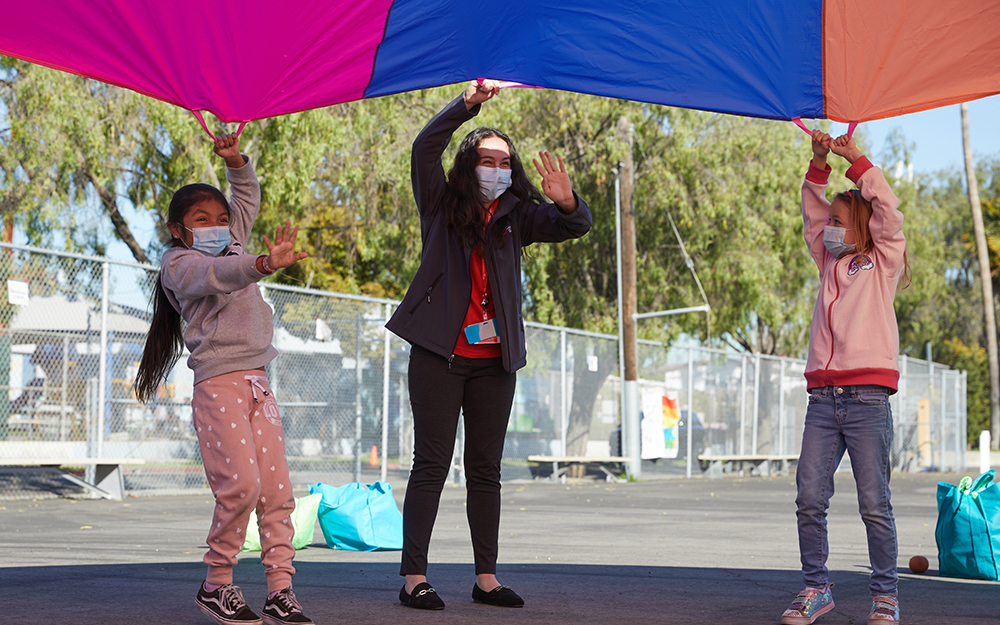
108 480
559 472
760 464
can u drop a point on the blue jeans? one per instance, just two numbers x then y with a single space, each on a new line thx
856 419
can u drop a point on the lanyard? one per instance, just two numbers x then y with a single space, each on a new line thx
488 215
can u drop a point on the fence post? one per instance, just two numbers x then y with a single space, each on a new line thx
563 408
359 380
930 408
102 407
91 416
756 402
404 435
781 408
386 363
943 427
963 401
743 402
63 427
90 472
959 435
898 418
690 422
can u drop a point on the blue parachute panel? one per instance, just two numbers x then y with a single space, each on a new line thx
715 57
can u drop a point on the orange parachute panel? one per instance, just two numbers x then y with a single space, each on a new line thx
889 57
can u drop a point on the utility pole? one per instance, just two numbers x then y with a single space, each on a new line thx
630 383
987 280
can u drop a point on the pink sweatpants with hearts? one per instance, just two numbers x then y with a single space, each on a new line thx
243 450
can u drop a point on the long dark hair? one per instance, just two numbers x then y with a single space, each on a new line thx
463 201
165 340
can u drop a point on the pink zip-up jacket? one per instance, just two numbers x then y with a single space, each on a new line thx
854 337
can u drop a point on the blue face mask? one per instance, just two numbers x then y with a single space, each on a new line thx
210 241
493 181
833 239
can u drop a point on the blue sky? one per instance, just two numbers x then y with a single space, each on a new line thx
937 135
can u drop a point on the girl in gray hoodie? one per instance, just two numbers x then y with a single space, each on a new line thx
208 280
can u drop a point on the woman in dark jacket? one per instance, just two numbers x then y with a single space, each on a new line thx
462 317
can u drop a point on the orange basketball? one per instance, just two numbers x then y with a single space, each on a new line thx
918 564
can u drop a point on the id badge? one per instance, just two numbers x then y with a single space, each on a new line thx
485 332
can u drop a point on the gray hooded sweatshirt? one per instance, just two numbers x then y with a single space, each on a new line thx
229 325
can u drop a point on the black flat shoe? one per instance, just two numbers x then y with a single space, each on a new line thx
424 597
502 596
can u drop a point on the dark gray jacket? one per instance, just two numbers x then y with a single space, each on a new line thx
433 311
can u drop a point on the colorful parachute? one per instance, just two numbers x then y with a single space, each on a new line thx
247 59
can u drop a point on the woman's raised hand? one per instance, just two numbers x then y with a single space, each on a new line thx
555 182
283 248
479 92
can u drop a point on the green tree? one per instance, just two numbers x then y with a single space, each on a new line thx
70 142
344 173
972 360
732 186
943 305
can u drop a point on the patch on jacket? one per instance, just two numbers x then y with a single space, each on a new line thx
860 263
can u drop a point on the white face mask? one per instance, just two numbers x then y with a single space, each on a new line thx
210 241
833 239
493 181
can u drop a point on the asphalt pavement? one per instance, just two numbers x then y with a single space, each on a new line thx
670 551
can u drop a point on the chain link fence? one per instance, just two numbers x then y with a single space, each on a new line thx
72 329
746 404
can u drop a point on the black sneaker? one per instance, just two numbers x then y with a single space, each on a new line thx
225 604
284 608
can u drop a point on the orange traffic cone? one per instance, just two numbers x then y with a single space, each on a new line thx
373 460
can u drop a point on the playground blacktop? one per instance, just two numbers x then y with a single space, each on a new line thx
670 551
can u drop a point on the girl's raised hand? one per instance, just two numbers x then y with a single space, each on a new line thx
228 147
555 182
820 143
844 146
282 250
479 92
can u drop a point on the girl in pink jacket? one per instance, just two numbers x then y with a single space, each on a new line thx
857 242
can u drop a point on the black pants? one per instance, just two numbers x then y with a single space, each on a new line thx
484 391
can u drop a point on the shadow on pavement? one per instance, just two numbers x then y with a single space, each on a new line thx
366 592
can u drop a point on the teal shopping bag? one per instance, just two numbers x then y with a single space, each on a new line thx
968 528
359 517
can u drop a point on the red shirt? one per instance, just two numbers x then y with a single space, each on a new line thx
481 305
